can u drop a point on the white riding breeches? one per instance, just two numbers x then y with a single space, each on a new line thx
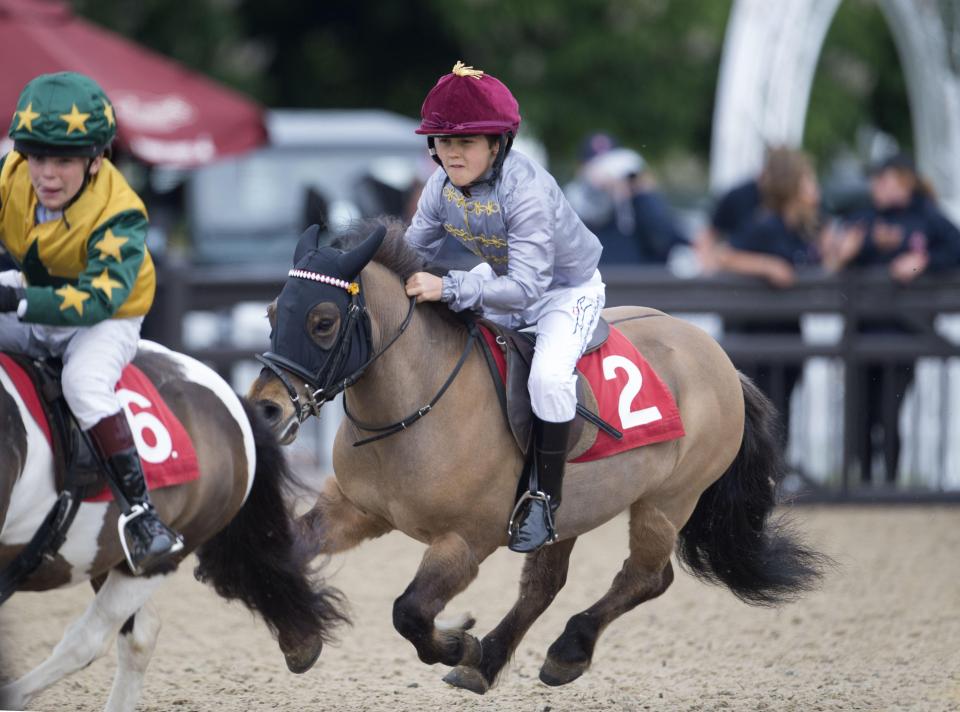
565 320
93 356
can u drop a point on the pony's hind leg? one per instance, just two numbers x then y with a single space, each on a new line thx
87 638
645 574
447 568
135 645
544 573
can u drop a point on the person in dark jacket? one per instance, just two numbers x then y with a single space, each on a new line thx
905 232
639 227
780 237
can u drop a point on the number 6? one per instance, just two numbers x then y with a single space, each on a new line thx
143 421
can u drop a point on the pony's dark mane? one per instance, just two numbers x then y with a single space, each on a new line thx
394 253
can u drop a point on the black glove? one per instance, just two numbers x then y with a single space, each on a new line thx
10 298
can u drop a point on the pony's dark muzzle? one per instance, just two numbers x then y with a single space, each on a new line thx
285 429
271 413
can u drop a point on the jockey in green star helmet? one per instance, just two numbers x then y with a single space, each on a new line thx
63 114
89 271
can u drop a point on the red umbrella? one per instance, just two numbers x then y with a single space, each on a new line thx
166 114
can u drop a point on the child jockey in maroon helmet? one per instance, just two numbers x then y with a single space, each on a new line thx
539 264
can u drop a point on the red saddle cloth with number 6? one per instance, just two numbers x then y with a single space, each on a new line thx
629 395
165 449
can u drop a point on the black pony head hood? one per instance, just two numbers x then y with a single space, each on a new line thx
323 274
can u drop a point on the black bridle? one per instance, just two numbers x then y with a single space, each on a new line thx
326 384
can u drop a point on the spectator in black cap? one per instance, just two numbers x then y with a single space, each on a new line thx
903 229
904 232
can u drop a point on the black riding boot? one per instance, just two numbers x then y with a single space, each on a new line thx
145 539
531 525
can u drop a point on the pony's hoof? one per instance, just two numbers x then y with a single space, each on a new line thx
555 673
467 678
472 651
299 661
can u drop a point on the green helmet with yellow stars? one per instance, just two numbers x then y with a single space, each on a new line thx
63 114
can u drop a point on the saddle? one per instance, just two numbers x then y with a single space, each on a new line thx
516 348
76 466
76 473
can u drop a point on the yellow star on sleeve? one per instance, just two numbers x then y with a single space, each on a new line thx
72 297
105 284
75 120
108 112
26 117
110 245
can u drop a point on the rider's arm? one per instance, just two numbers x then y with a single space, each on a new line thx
115 253
531 252
426 234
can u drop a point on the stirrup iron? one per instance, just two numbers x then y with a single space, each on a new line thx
540 496
137 511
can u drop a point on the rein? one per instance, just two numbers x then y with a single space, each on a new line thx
385 431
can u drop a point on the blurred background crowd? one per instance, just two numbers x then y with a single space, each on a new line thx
628 104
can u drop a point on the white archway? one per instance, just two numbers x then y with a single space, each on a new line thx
769 59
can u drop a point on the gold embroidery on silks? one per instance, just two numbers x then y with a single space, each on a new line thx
470 206
483 246
471 241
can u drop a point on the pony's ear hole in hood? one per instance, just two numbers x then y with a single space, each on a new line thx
350 263
309 240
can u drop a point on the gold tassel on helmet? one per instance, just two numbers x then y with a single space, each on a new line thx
462 70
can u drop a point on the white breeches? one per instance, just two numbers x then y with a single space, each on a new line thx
565 320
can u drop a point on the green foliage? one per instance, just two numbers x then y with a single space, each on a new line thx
643 70
204 34
858 82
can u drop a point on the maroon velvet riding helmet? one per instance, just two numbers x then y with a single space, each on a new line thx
468 102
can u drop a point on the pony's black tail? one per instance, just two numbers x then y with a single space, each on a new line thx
731 539
258 559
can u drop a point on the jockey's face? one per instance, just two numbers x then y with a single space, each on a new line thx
57 179
465 158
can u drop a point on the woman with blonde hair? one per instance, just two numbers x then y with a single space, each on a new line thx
781 237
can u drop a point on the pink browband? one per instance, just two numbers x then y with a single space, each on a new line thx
349 287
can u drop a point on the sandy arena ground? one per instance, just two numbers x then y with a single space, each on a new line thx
883 634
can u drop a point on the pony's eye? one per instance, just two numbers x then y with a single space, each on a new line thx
325 325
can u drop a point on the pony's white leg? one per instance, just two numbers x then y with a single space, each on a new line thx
134 650
87 638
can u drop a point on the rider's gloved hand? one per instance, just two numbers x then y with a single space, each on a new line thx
10 298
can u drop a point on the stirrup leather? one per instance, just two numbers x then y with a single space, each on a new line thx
137 511
541 496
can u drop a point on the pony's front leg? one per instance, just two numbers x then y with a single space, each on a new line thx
135 645
447 568
335 524
87 638
544 574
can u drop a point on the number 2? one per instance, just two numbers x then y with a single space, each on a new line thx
629 418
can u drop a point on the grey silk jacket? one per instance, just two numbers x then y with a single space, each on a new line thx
522 226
